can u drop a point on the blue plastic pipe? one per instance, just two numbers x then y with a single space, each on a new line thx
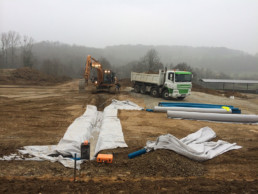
137 153
196 105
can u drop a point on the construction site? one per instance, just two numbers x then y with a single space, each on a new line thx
128 96
39 113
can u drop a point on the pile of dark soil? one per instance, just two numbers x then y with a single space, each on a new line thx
162 163
29 76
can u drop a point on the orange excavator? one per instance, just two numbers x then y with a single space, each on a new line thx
105 79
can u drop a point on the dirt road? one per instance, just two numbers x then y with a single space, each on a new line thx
33 115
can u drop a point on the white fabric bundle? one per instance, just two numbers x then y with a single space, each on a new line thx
195 146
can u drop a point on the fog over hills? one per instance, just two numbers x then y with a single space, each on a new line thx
215 35
213 58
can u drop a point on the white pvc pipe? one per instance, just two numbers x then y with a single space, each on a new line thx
240 118
187 109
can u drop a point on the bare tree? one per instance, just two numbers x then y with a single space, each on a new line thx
5 45
183 67
27 51
152 60
52 67
170 66
14 42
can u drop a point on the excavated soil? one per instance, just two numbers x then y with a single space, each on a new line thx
161 163
29 76
34 115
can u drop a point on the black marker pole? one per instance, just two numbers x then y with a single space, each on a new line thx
74 175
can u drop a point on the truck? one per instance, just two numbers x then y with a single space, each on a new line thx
167 83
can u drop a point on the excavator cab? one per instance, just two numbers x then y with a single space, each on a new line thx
109 77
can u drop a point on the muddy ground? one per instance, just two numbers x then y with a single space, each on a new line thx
40 115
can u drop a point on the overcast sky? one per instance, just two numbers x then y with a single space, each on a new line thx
100 23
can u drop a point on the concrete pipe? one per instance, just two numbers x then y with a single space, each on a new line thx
240 118
189 109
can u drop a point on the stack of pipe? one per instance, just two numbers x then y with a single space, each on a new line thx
210 112
199 105
189 109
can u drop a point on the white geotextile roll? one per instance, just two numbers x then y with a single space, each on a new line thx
187 109
111 134
240 118
107 123
79 131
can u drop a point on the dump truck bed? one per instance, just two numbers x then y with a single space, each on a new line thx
147 78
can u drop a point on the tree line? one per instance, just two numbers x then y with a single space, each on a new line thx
60 59
16 48
17 51
151 63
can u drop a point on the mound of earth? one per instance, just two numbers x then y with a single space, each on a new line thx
29 76
163 163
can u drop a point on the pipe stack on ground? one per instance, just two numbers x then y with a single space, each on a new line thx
233 109
192 105
240 118
208 112
188 109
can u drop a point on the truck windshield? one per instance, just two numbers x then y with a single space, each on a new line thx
183 77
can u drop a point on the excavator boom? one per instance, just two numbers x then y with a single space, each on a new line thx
93 63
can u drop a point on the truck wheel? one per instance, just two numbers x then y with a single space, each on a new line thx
165 95
154 92
180 98
137 88
143 89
